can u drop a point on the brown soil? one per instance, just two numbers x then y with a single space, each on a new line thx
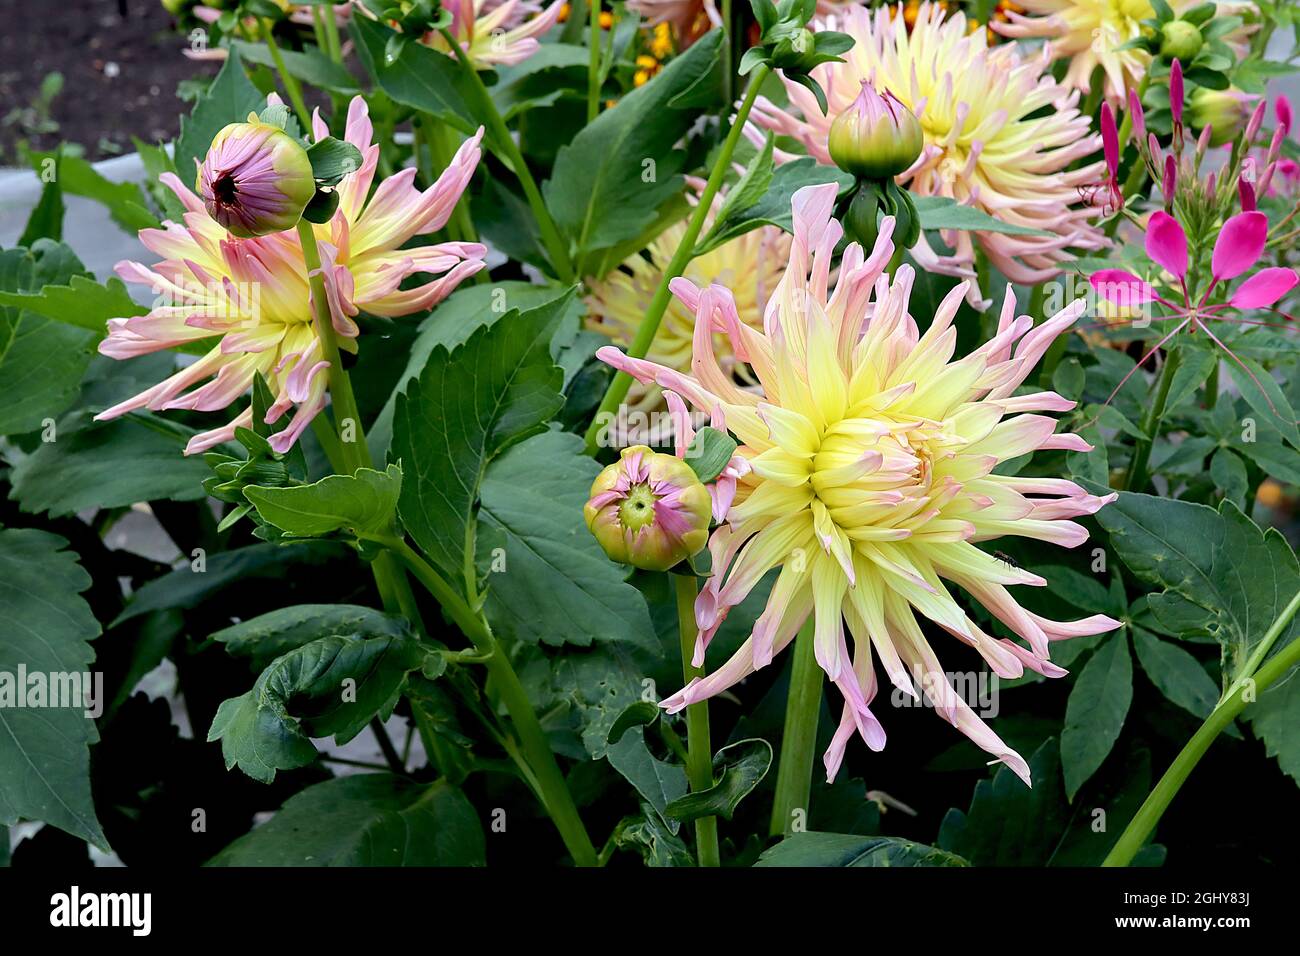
120 60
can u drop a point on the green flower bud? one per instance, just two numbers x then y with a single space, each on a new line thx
1180 40
1226 111
256 179
877 137
649 510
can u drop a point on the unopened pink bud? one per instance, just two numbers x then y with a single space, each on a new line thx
1153 147
1282 110
1203 141
1170 182
1139 118
1266 178
649 510
1176 92
1256 121
1275 146
256 179
1110 140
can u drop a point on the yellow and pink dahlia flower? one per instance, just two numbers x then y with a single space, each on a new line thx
1000 134
870 479
253 294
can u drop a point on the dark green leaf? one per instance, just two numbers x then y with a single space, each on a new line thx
1176 674
268 636
1219 560
372 819
845 849
466 408
607 184
330 686
737 769
113 464
44 751
1096 710
941 212
362 503
42 361
420 77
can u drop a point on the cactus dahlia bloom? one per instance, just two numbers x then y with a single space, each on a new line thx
1093 33
871 477
985 144
496 34
253 294
750 265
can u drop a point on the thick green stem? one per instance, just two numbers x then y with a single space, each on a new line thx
289 80
1135 479
347 454
699 751
728 52
536 749
649 326
799 739
593 68
503 144
347 418
318 31
332 34
1234 701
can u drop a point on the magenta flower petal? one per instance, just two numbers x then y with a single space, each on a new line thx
1282 109
1264 288
1239 246
1247 193
1167 243
1122 288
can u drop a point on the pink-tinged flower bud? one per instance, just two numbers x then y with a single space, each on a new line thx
1275 145
256 179
1170 182
1153 147
1256 121
649 510
1180 40
1224 110
1139 117
877 137
1176 92
1203 141
1263 187
1282 110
